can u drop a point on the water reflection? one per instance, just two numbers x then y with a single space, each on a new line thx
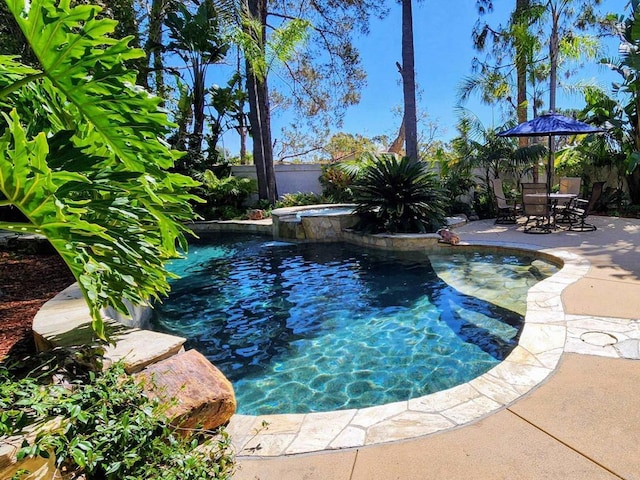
247 304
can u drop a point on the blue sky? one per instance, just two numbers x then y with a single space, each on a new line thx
444 53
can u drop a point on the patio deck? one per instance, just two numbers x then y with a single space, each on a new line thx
583 422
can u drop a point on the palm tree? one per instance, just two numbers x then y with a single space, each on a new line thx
197 40
410 120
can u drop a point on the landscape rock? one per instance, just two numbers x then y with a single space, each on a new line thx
199 394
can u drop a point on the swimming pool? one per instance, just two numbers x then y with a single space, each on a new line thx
301 328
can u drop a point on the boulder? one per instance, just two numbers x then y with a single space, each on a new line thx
198 394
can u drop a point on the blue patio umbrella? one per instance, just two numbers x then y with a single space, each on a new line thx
550 125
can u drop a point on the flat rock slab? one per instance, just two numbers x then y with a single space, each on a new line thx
65 321
200 396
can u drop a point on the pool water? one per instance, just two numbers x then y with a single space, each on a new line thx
303 328
324 212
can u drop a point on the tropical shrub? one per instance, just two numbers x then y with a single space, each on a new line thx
483 203
399 196
109 429
457 185
224 195
82 156
337 184
300 199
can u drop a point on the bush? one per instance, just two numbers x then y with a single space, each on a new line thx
300 199
483 204
399 196
456 185
224 197
109 429
337 184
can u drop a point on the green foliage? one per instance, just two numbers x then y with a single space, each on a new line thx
399 196
456 184
336 183
344 145
338 179
523 42
224 195
196 34
82 156
483 204
105 427
280 46
198 40
622 140
300 199
477 147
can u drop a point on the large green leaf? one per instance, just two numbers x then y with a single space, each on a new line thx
82 156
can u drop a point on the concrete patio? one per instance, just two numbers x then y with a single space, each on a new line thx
582 422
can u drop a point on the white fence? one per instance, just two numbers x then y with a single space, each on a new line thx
290 178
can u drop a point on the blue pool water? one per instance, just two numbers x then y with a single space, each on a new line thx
301 328
324 212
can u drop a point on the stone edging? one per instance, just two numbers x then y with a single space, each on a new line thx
64 320
538 352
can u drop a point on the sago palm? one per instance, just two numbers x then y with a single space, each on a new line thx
399 195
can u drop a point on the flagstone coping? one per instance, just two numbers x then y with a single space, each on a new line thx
547 333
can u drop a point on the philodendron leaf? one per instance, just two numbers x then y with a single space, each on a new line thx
82 156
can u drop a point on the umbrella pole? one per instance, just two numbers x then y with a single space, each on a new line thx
550 166
550 169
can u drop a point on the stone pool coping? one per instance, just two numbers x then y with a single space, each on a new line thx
542 342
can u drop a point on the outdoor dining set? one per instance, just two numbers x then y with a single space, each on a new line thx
547 211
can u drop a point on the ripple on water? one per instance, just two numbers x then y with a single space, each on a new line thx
302 328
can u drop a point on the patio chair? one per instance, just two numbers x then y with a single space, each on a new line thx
580 210
536 208
506 212
568 185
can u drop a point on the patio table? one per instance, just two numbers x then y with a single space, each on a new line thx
554 199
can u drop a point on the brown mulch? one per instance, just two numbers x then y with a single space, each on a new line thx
27 281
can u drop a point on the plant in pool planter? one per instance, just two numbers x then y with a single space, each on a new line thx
107 428
399 195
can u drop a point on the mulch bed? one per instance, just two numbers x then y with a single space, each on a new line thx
27 281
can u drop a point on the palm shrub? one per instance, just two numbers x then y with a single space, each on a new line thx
399 195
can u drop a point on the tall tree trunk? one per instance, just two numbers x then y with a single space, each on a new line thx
409 82
241 128
259 114
256 134
153 47
553 79
521 73
267 146
553 57
195 144
242 132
